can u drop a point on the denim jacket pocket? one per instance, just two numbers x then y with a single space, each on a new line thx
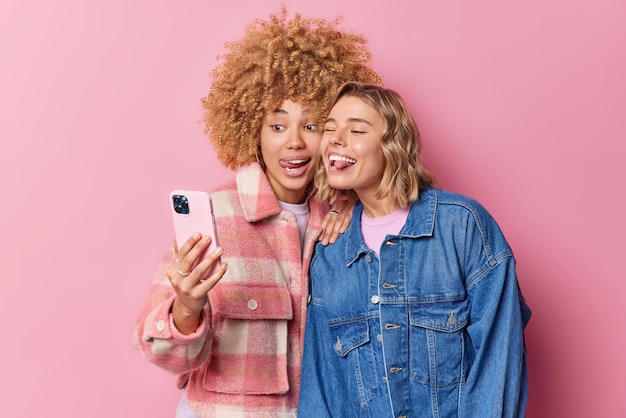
437 341
351 342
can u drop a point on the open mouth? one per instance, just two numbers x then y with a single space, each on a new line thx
294 164
339 162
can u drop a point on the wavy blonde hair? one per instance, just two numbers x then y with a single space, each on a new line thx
404 176
302 60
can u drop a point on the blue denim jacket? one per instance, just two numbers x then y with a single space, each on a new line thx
434 328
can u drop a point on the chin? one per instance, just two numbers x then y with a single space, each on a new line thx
299 185
338 185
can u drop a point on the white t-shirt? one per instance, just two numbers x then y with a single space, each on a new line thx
301 210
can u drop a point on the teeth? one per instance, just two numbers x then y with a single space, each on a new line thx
297 161
341 158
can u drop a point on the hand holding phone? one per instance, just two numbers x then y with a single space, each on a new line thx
192 211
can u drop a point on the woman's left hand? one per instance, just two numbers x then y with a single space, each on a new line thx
336 221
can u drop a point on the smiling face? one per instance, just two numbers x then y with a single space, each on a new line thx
351 147
290 138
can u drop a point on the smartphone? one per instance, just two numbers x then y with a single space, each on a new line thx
192 211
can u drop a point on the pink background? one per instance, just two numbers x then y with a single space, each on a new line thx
522 105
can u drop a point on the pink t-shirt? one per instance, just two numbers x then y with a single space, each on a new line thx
376 229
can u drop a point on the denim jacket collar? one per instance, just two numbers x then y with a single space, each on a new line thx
420 222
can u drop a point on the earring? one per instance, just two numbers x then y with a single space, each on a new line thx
260 161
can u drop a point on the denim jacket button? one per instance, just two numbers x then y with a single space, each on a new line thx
379 337
375 299
368 258
451 319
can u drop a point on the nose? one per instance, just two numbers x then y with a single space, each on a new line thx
295 141
337 138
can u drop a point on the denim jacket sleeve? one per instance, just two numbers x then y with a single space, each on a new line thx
496 384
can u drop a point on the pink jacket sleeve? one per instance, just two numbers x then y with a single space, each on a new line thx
155 335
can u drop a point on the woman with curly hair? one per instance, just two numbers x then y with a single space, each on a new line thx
235 339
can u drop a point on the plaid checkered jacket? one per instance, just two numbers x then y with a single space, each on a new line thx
245 357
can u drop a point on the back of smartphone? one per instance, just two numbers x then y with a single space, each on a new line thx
192 212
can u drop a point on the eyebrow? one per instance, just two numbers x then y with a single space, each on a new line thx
283 111
351 120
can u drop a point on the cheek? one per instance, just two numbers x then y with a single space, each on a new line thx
380 162
264 140
324 143
371 152
314 142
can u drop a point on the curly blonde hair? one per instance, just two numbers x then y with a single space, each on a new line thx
302 60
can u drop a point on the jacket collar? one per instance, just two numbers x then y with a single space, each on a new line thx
257 198
419 223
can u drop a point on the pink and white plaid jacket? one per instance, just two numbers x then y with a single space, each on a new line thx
245 357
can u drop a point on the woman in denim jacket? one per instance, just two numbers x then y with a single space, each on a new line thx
415 311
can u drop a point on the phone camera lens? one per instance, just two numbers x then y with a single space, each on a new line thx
181 204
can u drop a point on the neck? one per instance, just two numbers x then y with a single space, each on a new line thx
375 208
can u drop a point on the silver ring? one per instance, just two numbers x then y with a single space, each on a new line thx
183 274
177 261
333 212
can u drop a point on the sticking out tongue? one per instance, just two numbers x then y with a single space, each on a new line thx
293 164
340 165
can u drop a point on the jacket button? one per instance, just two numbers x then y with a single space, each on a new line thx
160 325
368 258
451 319
375 299
252 305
